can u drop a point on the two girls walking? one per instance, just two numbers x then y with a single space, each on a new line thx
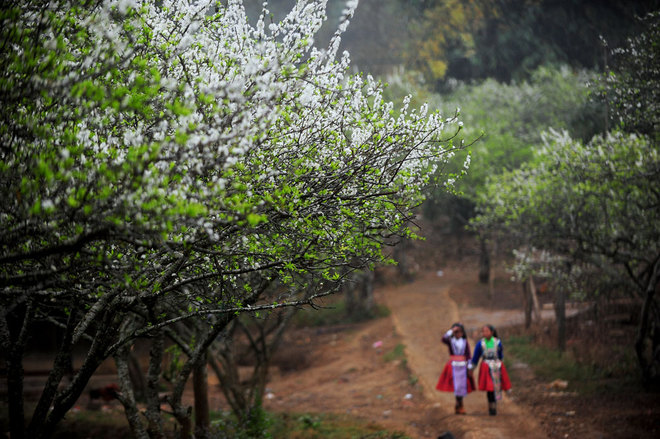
457 376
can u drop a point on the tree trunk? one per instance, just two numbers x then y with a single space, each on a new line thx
484 262
15 394
137 377
127 397
349 296
14 347
367 291
643 329
527 304
245 398
228 378
491 271
535 299
491 283
358 294
67 398
204 340
60 366
155 422
229 381
560 315
201 392
183 418
402 257
655 353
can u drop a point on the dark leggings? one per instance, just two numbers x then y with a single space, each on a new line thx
491 396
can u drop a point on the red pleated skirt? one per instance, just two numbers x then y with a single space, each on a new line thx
486 382
446 380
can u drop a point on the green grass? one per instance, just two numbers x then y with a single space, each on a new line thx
397 353
550 364
270 425
328 426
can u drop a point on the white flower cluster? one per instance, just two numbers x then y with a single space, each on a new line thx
166 118
530 261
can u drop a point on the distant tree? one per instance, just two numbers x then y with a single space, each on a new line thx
255 339
444 35
167 163
504 125
509 119
630 87
594 204
471 39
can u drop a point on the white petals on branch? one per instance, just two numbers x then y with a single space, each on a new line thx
183 118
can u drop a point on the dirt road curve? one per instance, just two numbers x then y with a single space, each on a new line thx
422 311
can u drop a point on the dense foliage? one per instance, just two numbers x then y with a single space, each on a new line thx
594 204
508 119
479 39
504 126
163 161
630 86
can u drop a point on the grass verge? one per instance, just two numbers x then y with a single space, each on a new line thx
328 426
550 364
112 424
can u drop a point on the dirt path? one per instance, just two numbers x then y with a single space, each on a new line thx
350 371
422 311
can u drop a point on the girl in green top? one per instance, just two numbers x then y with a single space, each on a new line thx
493 377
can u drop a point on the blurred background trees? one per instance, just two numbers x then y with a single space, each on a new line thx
513 67
593 204
477 39
509 39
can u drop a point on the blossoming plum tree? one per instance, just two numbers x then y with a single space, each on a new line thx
595 205
167 162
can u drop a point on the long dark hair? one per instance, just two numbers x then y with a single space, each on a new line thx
460 325
492 330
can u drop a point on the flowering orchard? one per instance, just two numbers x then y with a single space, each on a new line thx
589 207
168 160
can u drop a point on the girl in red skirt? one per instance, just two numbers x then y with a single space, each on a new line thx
493 377
454 377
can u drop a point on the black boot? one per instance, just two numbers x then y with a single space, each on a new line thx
492 408
459 410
